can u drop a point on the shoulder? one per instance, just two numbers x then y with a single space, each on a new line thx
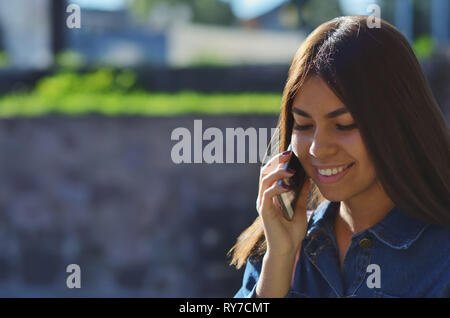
437 237
434 247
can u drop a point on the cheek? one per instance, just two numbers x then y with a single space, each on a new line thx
299 146
357 149
353 146
350 145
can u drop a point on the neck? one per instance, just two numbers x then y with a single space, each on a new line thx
362 212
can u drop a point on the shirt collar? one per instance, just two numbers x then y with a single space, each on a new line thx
322 218
397 229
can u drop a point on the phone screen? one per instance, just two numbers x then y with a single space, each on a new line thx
288 200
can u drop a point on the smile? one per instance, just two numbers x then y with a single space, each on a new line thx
332 175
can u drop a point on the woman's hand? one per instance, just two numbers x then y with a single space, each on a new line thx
283 237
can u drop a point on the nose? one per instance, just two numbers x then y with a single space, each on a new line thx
322 145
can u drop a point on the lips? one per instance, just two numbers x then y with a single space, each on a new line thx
333 178
328 171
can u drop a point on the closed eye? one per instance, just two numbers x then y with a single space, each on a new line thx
347 127
340 127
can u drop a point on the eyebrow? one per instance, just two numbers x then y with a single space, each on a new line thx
334 113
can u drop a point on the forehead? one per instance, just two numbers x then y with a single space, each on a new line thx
316 95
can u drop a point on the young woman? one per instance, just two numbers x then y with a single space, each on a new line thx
366 128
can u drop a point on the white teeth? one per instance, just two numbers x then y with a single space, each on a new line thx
330 172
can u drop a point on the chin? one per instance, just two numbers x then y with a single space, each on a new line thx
334 196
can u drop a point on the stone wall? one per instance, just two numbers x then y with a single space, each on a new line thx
103 193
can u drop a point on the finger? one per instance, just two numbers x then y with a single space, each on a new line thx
268 197
275 176
274 163
278 159
276 203
270 179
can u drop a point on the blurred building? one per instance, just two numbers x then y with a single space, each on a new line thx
265 34
200 44
440 21
26 33
170 38
112 37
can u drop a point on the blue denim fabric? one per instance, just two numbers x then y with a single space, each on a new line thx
413 259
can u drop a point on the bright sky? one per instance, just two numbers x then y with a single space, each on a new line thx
100 4
350 7
244 9
247 9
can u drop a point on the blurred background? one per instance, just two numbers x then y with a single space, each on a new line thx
87 107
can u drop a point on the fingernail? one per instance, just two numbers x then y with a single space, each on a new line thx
290 171
286 152
285 186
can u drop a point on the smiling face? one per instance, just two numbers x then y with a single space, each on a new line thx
326 140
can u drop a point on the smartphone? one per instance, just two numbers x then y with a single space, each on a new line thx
288 200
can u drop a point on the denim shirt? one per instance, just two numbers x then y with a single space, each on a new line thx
398 257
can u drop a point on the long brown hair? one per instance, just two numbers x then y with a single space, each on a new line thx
377 76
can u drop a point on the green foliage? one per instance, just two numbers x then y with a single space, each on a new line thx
71 83
4 61
209 59
70 60
203 11
212 12
112 93
143 104
424 46
313 13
